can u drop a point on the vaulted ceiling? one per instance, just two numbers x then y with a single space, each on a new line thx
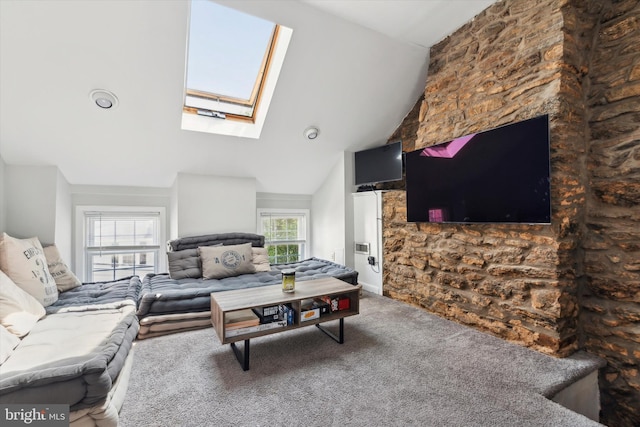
354 68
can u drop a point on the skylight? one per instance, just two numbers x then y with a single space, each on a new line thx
233 62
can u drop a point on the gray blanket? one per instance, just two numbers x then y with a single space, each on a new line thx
161 294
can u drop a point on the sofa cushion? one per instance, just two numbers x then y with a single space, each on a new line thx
193 242
8 342
98 296
19 311
226 261
70 358
23 260
62 275
260 259
184 264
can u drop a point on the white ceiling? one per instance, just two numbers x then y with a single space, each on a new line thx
354 68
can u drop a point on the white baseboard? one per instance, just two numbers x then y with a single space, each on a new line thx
370 288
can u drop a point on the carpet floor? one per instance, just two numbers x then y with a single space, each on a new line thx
398 366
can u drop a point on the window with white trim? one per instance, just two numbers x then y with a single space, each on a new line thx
286 234
121 243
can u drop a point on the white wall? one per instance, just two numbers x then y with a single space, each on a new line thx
212 204
30 196
328 229
63 218
173 212
283 201
3 204
108 195
367 228
349 186
37 202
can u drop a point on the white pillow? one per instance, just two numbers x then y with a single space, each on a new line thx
19 311
261 259
23 260
8 342
63 276
226 261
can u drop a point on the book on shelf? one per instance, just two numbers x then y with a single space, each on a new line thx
267 314
240 319
337 303
325 307
257 328
312 308
267 311
287 313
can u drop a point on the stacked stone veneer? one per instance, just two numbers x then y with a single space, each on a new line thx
560 287
610 306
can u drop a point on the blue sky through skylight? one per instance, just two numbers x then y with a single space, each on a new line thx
226 48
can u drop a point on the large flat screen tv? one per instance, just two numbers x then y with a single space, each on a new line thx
500 176
379 164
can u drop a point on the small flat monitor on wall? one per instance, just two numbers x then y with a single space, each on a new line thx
379 164
498 176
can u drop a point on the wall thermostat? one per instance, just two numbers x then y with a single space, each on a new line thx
362 248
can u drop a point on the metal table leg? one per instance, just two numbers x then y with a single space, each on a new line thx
242 358
337 338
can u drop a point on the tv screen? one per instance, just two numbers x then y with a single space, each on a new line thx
500 175
379 164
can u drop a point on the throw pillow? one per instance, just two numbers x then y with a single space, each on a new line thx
23 260
19 311
62 275
184 264
8 342
261 259
226 261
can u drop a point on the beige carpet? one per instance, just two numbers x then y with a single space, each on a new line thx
398 366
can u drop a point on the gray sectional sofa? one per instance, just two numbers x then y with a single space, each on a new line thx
80 353
180 299
90 368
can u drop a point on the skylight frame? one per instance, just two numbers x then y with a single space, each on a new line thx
234 108
242 127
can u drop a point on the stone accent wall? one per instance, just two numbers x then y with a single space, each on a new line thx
577 61
610 315
516 281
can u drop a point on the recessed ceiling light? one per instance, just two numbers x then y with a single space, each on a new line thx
104 98
311 132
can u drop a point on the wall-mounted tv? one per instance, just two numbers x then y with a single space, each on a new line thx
499 176
379 164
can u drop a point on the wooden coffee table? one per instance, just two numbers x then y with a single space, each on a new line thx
225 302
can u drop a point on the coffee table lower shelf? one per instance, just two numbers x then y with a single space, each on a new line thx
243 355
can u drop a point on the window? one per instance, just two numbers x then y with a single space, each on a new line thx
121 243
233 63
286 234
228 58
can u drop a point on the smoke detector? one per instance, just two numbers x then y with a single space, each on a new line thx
311 132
